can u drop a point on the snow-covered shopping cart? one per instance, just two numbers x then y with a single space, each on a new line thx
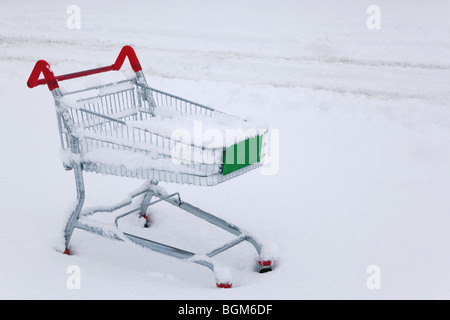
126 128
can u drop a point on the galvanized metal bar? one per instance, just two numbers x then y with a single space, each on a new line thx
81 194
172 96
114 234
159 247
115 207
124 215
206 216
227 245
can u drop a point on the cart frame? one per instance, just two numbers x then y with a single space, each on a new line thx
142 199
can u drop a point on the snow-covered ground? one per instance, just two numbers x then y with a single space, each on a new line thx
364 147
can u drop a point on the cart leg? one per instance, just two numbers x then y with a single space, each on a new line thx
73 219
266 258
146 203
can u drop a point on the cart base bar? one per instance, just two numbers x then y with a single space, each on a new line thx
80 220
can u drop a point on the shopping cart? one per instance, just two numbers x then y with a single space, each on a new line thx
126 128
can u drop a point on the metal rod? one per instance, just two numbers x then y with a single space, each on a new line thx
227 245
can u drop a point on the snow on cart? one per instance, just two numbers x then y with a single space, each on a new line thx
129 129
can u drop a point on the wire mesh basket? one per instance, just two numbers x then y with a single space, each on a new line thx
130 129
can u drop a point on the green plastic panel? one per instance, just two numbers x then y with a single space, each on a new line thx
242 154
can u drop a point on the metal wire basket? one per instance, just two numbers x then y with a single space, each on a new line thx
113 124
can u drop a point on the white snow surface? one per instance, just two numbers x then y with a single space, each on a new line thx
363 175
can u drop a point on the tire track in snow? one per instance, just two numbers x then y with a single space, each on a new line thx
322 72
20 40
339 75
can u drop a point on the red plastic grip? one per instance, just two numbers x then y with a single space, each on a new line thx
127 51
51 80
42 66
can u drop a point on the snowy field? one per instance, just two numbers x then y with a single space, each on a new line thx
363 175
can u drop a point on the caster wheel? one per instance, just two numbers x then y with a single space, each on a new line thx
147 221
265 266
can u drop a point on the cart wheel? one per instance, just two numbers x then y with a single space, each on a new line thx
224 285
147 221
265 266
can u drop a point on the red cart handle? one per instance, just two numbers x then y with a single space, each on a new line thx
52 81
